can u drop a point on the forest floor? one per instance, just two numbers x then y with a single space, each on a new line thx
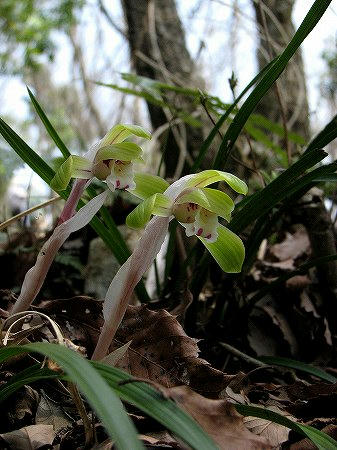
223 349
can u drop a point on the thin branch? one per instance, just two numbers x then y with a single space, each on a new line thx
13 219
247 358
79 59
110 20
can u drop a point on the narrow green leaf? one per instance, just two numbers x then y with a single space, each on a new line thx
310 21
261 202
98 393
139 394
228 250
322 440
49 127
261 137
26 376
208 141
276 128
298 365
325 136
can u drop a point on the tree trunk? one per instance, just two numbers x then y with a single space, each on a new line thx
158 51
275 31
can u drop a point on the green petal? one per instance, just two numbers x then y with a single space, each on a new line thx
73 167
147 185
210 199
120 132
157 204
124 151
207 177
228 250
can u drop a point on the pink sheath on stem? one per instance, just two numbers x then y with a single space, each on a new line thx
36 275
72 201
120 290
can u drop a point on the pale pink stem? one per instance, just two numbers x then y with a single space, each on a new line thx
121 288
72 201
36 275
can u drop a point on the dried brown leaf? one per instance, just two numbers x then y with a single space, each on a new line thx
219 419
293 246
32 437
275 433
160 350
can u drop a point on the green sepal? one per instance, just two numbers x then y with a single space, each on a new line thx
120 132
147 185
157 204
210 199
124 151
228 250
73 167
207 177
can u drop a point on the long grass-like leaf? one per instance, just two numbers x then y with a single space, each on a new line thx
208 141
324 137
322 440
310 21
92 385
298 365
277 190
49 127
141 395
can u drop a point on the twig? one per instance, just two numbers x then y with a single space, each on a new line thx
88 428
247 358
28 211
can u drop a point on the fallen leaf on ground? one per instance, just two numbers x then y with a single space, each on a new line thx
219 419
275 433
293 246
32 437
160 350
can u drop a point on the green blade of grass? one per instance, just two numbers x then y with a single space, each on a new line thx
325 136
96 390
320 439
139 394
298 365
310 21
152 402
208 141
111 236
49 127
277 190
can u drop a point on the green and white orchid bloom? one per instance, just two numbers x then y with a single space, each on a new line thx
110 160
195 206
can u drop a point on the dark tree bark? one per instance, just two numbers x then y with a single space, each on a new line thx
275 30
155 32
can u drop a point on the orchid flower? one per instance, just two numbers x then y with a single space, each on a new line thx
197 208
110 160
